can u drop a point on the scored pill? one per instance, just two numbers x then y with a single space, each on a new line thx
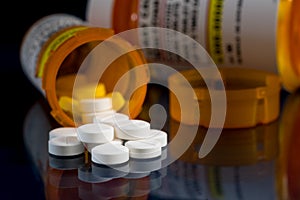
110 154
89 117
134 129
112 119
143 149
65 146
159 136
95 133
95 105
63 131
89 146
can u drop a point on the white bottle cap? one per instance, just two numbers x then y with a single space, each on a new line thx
65 146
62 131
100 12
143 149
95 133
112 119
95 105
132 129
87 118
110 154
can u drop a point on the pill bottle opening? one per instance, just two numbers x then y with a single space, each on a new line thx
252 96
66 70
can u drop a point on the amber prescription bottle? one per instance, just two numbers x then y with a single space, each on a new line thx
247 33
53 50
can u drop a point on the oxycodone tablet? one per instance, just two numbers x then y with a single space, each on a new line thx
65 146
62 131
143 149
95 104
132 129
110 154
159 136
112 119
87 118
95 133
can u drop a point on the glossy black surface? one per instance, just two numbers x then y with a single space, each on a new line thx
252 163
18 179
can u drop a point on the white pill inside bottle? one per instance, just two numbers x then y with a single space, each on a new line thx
95 104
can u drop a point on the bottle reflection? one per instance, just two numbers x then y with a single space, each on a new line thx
241 165
288 162
234 147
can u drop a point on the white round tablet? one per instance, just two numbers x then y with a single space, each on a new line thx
89 146
110 154
112 119
132 129
95 104
65 146
143 149
89 117
159 136
95 133
62 131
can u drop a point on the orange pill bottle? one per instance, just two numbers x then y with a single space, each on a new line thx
247 33
53 51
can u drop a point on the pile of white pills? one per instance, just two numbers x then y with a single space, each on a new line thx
110 137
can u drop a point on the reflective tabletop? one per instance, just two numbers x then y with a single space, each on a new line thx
247 163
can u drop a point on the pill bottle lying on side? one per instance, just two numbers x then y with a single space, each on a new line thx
53 50
250 33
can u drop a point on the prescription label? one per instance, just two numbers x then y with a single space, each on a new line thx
248 33
234 32
36 37
187 17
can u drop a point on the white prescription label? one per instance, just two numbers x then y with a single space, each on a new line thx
234 32
35 39
248 34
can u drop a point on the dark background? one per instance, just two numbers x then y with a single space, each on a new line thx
18 178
